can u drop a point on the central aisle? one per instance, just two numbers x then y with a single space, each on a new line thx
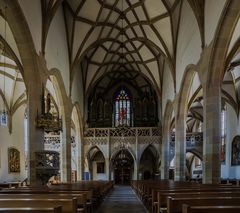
121 199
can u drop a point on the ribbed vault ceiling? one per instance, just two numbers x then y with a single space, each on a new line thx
122 35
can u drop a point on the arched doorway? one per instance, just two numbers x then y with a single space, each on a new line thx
149 163
96 162
194 166
123 167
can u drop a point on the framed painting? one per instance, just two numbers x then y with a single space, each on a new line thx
236 151
13 160
100 167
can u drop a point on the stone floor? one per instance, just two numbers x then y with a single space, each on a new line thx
121 199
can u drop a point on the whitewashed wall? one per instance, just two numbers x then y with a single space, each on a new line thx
78 92
168 88
56 51
233 129
98 176
32 12
213 10
189 43
16 140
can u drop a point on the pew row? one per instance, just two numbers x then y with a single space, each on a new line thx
210 209
174 205
57 209
68 205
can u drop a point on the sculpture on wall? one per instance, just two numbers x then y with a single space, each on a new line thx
13 160
236 151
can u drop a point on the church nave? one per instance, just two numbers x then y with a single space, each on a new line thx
122 199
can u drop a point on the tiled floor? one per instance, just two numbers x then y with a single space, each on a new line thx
121 199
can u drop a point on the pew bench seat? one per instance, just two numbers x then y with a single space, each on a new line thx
57 209
174 205
210 209
68 205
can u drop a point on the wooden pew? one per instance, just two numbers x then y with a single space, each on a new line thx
148 191
162 197
81 198
174 205
210 209
57 209
68 205
94 190
162 194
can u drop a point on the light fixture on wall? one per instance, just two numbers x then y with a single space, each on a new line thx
4 112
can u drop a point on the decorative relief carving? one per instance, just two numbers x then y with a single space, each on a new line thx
143 132
95 141
156 131
47 164
149 140
52 142
122 132
101 132
89 132
122 135
117 140
13 160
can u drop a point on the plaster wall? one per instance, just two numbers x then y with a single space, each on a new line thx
32 12
98 176
8 36
56 51
77 93
16 140
213 10
189 43
168 88
195 85
233 129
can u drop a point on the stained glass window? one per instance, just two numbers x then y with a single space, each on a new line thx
122 109
223 134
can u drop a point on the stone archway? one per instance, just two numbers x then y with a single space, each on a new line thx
32 78
97 164
149 163
193 166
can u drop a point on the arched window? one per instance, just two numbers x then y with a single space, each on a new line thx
122 109
223 133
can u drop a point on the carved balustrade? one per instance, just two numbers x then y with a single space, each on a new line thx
100 136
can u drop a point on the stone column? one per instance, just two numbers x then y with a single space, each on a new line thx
107 166
66 147
136 165
80 159
35 136
180 146
212 134
165 154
